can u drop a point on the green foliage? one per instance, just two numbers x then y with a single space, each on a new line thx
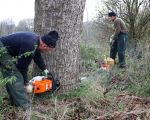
80 92
138 71
88 52
2 83
121 107
134 79
2 51
88 56
3 80
89 89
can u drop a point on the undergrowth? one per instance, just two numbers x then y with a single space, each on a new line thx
95 96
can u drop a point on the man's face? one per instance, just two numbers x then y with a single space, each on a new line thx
112 18
45 48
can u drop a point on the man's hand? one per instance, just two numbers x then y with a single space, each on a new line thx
111 41
45 72
29 88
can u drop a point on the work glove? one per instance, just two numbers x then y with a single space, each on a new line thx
29 88
45 73
111 41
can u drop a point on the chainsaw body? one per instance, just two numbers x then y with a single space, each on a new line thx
107 64
42 84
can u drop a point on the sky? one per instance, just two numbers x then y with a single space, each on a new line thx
22 9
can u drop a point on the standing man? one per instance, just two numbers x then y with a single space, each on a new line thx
22 47
119 40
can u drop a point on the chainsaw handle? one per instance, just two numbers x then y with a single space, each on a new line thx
50 76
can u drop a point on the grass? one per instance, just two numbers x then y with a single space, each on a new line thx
134 80
83 101
88 100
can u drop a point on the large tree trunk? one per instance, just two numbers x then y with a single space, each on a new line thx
66 17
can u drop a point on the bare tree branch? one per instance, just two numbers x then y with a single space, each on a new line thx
134 12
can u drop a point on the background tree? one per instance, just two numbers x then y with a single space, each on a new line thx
7 27
25 25
66 17
136 14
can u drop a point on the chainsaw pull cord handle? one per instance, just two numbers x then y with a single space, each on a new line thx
55 82
50 76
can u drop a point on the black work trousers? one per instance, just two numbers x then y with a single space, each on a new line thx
119 46
15 81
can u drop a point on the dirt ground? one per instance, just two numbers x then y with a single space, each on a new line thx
125 107
135 108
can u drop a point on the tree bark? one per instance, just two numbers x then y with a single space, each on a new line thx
66 17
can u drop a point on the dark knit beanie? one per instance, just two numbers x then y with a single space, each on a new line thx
110 14
50 39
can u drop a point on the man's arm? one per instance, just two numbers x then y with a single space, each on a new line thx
117 29
23 61
39 60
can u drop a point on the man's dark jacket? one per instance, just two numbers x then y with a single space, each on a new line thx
23 46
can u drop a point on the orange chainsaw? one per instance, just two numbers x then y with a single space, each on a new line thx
42 84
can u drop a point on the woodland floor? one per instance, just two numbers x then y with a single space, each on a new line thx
123 107
133 108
